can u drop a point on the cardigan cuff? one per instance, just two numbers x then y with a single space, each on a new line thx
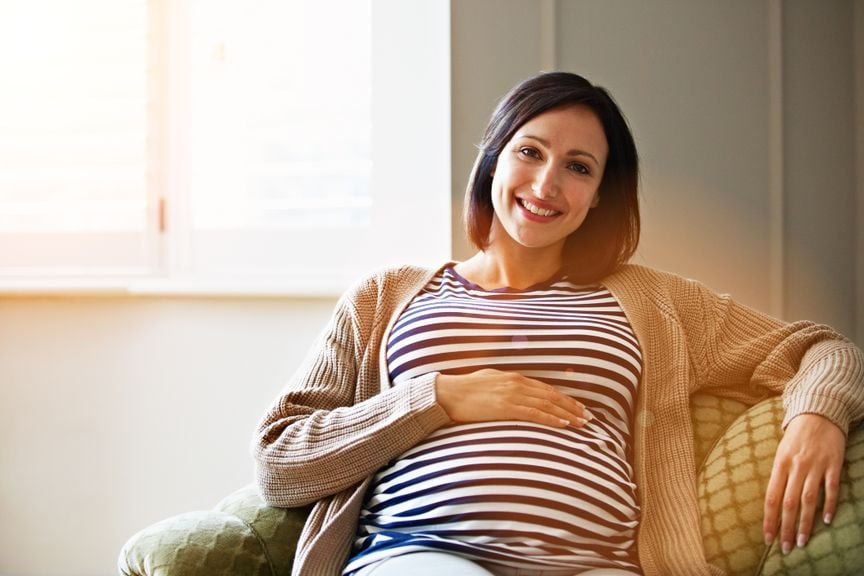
829 384
424 403
826 406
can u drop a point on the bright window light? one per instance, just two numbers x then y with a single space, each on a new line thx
221 146
73 115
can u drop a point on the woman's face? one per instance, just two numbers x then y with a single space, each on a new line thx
546 179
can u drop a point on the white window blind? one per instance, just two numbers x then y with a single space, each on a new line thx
73 136
276 138
223 145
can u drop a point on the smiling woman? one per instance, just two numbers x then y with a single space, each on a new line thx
527 411
540 194
193 146
589 128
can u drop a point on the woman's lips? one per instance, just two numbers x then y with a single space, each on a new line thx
535 212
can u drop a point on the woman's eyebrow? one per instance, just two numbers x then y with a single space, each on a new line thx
573 152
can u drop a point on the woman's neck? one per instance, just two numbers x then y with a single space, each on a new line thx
493 270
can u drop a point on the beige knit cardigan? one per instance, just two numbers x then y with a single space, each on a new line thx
340 419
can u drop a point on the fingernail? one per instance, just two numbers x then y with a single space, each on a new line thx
802 540
828 518
587 413
769 538
564 422
786 547
581 421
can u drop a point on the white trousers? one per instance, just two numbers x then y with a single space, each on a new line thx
441 564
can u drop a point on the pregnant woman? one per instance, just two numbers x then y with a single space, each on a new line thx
526 411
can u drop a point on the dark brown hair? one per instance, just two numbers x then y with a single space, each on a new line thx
610 233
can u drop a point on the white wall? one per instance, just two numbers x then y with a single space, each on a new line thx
859 173
118 412
819 172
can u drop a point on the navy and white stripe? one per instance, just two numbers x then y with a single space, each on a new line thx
510 492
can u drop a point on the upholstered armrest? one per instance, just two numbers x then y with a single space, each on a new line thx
240 536
735 448
732 482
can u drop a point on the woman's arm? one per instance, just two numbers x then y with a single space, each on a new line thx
304 454
333 427
821 376
742 353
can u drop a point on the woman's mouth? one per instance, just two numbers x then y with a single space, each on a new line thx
534 209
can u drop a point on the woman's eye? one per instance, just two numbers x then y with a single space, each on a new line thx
531 152
580 168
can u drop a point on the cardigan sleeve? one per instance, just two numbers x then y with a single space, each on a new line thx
743 352
333 426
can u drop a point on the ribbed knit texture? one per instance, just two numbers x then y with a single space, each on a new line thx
340 420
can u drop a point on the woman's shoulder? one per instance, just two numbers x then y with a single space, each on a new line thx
389 282
669 291
394 276
646 276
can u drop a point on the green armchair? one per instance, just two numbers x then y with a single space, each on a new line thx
735 448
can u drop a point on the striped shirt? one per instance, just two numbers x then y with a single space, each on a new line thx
512 492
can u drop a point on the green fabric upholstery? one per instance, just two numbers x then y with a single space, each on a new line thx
240 536
734 450
278 528
732 482
711 417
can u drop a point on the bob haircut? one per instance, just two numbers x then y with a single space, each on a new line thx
609 235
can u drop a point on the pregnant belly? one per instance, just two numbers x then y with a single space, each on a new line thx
505 483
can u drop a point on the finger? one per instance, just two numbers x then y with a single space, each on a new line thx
538 416
789 510
832 492
548 392
552 408
571 409
809 499
773 500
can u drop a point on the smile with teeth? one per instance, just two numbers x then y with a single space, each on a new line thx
536 209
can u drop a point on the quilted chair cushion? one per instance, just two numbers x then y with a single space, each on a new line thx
732 484
711 417
240 536
278 528
192 544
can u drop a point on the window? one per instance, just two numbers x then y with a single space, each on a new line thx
73 137
269 146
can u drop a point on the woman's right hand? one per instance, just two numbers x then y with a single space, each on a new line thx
489 395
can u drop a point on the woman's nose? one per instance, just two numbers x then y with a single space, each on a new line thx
544 185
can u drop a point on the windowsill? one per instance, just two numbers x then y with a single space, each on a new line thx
314 286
